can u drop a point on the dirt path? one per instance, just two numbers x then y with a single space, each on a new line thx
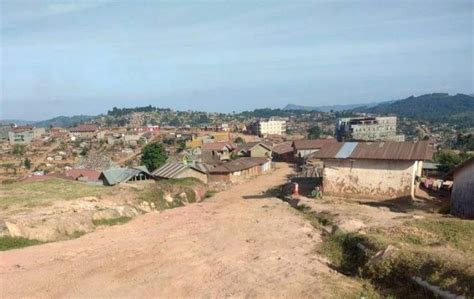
227 246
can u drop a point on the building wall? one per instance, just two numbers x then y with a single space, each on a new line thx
383 129
260 151
239 176
20 138
191 173
462 196
272 127
378 179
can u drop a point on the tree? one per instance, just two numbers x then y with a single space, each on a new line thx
154 156
314 132
27 163
448 160
18 150
239 140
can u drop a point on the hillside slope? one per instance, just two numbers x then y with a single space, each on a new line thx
432 107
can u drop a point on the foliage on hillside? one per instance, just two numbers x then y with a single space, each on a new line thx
436 107
154 156
64 121
448 160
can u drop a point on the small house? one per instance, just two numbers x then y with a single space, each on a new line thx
283 152
239 169
84 131
371 169
254 149
216 152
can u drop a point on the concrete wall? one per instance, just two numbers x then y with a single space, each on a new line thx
20 138
462 196
377 179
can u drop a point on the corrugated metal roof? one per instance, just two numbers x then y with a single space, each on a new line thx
283 148
346 150
392 150
118 175
312 144
169 170
172 169
378 151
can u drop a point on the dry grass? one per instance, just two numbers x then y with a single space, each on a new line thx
40 193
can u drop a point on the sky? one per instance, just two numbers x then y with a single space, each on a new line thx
85 57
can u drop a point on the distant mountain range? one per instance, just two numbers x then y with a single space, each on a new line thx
431 107
60 121
441 107
330 108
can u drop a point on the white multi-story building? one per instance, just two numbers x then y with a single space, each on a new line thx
274 126
368 129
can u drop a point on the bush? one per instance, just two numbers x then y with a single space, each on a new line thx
7 242
154 156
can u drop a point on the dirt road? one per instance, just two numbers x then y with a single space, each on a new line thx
235 244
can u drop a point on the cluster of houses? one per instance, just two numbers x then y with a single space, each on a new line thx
356 169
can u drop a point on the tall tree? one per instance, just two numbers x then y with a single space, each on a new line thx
314 132
154 156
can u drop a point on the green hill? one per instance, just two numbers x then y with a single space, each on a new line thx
64 121
439 107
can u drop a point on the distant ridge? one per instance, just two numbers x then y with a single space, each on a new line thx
431 107
328 108
60 121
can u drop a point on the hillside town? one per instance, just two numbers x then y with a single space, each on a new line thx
361 159
236 149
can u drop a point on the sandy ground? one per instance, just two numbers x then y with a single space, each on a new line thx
237 243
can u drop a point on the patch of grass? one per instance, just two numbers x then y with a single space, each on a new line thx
436 249
32 194
7 243
341 249
113 221
456 232
317 219
182 182
209 193
76 234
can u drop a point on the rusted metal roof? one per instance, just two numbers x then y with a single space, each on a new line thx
327 152
312 144
89 174
282 148
392 150
377 151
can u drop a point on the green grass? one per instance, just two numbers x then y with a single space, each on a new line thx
39 193
113 221
437 249
7 243
316 219
453 231
182 182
